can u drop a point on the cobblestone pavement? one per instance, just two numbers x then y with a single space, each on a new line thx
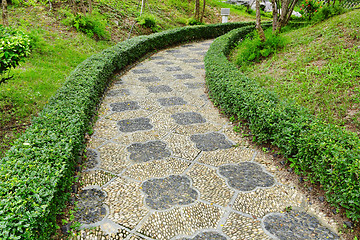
163 163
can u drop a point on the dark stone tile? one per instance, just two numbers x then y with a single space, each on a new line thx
202 66
191 60
166 192
118 92
91 208
157 58
124 106
134 124
91 159
173 69
187 46
207 236
211 141
164 63
159 89
140 71
196 49
183 76
246 176
194 85
173 51
171 101
144 152
296 225
183 55
149 79
188 118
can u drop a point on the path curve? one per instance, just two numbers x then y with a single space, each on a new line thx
163 164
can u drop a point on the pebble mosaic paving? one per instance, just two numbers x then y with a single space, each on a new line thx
164 164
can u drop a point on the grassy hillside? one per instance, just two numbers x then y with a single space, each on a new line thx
319 69
58 47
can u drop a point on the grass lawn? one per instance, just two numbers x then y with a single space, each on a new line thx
319 68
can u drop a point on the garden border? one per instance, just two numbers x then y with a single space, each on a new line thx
325 153
37 172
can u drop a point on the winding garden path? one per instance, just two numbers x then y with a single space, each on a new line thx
163 163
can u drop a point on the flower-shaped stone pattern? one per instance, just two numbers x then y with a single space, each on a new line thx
246 176
91 208
124 106
91 159
118 92
134 124
171 101
152 150
166 192
207 236
296 225
188 118
211 141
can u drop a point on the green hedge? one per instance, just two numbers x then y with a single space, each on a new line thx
37 172
325 153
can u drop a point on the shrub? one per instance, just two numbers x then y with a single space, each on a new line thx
325 153
252 49
15 46
192 21
327 11
93 25
147 20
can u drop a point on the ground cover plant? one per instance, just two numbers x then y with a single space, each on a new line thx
318 69
55 53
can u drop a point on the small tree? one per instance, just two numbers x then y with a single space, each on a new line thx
281 19
258 22
4 13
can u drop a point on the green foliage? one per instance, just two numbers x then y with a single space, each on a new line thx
252 49
37 172
93 25
323 152
147 20
327 11
15 46
192 21
309 8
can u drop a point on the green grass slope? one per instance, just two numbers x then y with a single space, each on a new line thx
319 69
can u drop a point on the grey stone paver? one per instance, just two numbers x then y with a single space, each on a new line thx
164 164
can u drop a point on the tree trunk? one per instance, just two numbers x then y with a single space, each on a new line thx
258 22
4 13
142 6
203 11
90 6
73 6
274 12
197 10
83 7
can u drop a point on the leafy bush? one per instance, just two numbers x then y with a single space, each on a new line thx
325 153
252 49
93 25
327 11
37 172
309 8
192 21
147 20
15 46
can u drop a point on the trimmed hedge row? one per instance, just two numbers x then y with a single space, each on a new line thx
325 153
37 172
